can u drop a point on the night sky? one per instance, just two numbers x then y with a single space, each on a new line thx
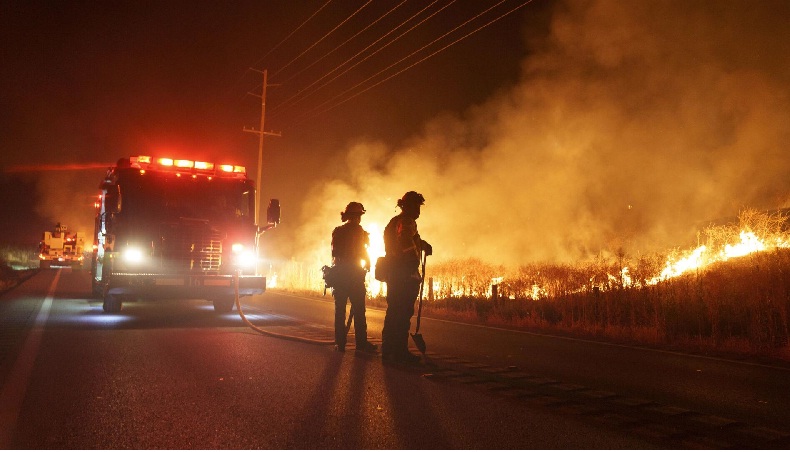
566 130
85 83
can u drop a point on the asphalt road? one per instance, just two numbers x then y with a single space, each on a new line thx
176 375
748 391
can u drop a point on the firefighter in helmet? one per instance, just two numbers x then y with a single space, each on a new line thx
404 247
351 261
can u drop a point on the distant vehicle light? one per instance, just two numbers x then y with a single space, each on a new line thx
237 248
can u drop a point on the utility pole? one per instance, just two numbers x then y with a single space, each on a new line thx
258 183
260 132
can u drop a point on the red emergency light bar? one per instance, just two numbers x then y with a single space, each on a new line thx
194 167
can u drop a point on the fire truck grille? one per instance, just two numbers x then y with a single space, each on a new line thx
191 249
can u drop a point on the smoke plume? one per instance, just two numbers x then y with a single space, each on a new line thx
632 123
67 197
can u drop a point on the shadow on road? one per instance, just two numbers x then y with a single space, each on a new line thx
414 419
85 313
318 413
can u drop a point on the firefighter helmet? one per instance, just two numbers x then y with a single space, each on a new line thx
353 208
411 198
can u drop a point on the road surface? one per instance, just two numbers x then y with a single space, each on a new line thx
176 375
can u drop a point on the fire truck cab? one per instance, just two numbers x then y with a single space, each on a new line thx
177 229
61 248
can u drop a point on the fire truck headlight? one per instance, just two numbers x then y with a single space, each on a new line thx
242 256
133 255
245 259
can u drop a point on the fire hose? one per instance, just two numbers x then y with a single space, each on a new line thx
266 332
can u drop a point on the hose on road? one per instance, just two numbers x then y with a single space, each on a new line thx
266 332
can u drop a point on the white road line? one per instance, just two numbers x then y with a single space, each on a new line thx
13 393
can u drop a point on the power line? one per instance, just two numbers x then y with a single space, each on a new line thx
324 37
292 33
360 88
281 42
345 42
307 115
304 93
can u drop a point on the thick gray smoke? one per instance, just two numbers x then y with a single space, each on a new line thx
632 123
67 197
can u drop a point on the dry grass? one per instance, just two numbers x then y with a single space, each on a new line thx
739 305
15 257
18 255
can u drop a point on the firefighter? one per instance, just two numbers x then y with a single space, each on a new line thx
403 247
351 261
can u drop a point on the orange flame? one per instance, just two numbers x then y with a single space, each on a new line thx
703 257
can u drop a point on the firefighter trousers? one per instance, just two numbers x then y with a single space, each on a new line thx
356 293
401 295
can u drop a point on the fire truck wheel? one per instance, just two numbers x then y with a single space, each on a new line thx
223 305
112 304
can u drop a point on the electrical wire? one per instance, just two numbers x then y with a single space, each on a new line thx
292 33
432 54
360 88
309 114
232 87
323 37
304 93
345 42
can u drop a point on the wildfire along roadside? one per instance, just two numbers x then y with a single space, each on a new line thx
730 294
740 308
614 317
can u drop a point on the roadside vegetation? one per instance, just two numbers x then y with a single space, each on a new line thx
741 305
729 294
16 264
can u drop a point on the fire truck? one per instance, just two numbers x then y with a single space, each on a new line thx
61 248
177 229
